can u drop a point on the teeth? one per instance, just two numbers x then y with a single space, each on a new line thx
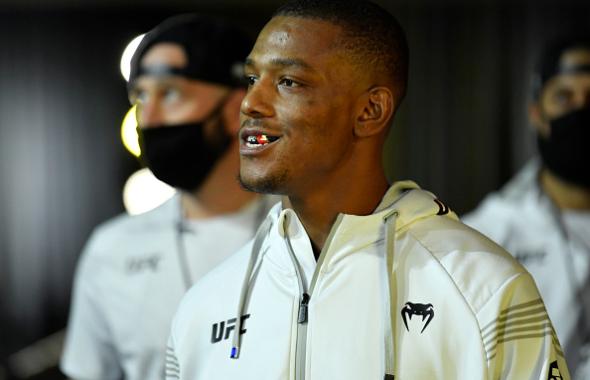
258 140
262 139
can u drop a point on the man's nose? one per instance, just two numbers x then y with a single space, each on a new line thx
257 103
149 114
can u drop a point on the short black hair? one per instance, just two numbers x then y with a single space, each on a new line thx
372 36
548 63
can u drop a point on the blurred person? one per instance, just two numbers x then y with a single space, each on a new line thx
351 278
542 215
187 82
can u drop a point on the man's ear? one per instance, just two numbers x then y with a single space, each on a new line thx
376 108
538 120
231 111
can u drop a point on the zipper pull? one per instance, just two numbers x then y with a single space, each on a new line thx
303 306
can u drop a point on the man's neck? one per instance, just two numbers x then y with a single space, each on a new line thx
564 194
319 209
220 193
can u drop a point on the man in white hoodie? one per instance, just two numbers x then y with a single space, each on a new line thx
350 278
542 216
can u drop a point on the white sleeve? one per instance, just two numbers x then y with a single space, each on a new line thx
518 336
89 353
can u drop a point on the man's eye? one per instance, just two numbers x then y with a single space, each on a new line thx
288 82
171 94
138 97
251 79
562 97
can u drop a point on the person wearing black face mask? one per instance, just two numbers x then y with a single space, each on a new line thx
564 147
183 155
187 84
185 80
542 216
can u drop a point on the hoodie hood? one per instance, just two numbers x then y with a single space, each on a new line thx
412 204
405 198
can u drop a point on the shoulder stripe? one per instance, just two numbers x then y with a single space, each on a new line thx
523 321
503 326
170 356
172 368
523 308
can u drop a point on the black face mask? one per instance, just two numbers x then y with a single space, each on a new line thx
181 155
566 152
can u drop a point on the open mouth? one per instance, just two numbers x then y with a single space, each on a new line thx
259 140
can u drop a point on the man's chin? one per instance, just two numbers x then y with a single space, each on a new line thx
263 185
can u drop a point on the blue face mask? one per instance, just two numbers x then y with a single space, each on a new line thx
566 152
182 155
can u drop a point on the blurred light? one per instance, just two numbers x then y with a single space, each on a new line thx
127 54
143 192
129 132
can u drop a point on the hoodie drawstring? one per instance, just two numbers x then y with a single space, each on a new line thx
390 220
263 230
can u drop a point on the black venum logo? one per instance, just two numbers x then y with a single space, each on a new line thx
425 310
442 208
554 373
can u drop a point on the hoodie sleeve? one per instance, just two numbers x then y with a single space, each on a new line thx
89 352
518 336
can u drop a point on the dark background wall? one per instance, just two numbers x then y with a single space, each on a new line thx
461 132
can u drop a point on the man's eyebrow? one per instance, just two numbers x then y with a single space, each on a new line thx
283 62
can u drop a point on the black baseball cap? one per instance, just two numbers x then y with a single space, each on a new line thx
215 49
549 63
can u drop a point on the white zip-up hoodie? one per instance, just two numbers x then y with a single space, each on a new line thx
407 293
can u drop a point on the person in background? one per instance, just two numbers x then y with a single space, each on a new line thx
542 215
187 83
352 278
